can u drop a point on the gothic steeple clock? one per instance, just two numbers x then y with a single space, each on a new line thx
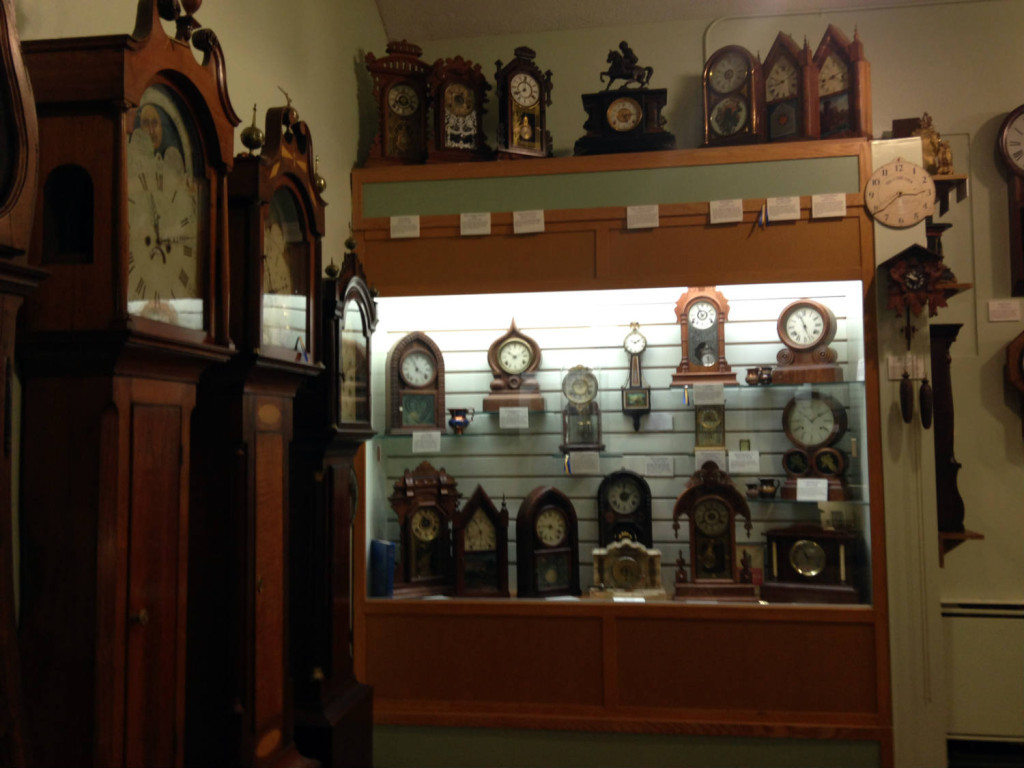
239 658
333 710
19 176
136 137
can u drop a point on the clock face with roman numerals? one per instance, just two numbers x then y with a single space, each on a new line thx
167 193
1011 140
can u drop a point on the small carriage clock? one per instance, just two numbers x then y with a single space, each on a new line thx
524 94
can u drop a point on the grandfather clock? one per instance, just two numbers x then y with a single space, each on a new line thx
333 710
130 226
240 689
19 175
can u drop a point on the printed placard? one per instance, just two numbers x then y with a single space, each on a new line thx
583 463
828 205
405 226
514 417
811 489
783 208
709 394
726 211
527 222
744 462
426 441
642 217
474 224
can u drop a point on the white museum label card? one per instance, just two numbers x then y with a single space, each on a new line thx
783 208
744 462
658 421
405 226
527 222
709 394
726 211
811 489
828 205
1003 310
642 217
703 455
426 441
516 417
659 466
583 463
472 224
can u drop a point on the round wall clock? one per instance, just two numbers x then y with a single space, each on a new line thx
547 544
624 509
900 194
733 97
415 385
1011 140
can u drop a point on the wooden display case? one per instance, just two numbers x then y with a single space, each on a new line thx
805 671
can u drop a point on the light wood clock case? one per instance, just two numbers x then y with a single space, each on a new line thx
702 313
415 386
425 500
711 505
547 545
400 88
458 91
19 178
844 86
514 359
480 547
133 177
241 503
806 328
523 95
790 91
733 97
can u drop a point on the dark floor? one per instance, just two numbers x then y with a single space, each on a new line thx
984 754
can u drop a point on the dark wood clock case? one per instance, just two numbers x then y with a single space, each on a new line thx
480 572
522 121
848 111
108 402
414 406
425 564
400 88
733 114
634 524
825 577
547 569
791 116
458 91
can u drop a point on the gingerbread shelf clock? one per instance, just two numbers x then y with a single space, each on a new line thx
524 95
19 179
547 545
844 86
712 504
806 328
333 709
131 227
702 313
733 98
458 91
514 359
480 547
790 91
400 88
628 119
240 528
425 500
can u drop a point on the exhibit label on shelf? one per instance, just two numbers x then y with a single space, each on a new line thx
726 211
474 224
517 417
642 217
427 441
828 205
405 226
527 222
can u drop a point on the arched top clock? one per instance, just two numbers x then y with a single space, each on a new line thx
844 86
547 545
806 328
514 359
702 313
162 258
790 91
415 386
733 97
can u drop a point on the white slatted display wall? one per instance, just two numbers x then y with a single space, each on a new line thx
587 328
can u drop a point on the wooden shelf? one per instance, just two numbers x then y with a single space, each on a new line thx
950 541
945 184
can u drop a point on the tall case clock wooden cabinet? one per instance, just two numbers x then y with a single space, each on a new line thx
136 139
19 175
333 716
240 709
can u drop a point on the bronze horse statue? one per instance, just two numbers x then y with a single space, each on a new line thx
623 66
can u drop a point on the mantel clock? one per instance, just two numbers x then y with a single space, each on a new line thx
245 409
400 88
711 504
844 86
480 547
131 225
624 509
790 91
810 564
523 94
19 178
458 91
514 359
627 567
415 386
733 98
806 328
547 545
702 314
425 501
814 422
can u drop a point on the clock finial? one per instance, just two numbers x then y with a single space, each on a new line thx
252 137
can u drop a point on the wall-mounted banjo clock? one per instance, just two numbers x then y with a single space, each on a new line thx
711 504
400 87
130 225
702 314
636 395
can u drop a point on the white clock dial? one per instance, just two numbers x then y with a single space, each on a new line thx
426 524
417 369
524 89
623 497
480 535
623 114
781 82
515 356
804 326
811 421
579 386
711 517
833 77
635 343
402 100
702 315
728 73
277 277
1011 138
550 527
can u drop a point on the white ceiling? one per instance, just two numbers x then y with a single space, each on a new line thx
420 20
